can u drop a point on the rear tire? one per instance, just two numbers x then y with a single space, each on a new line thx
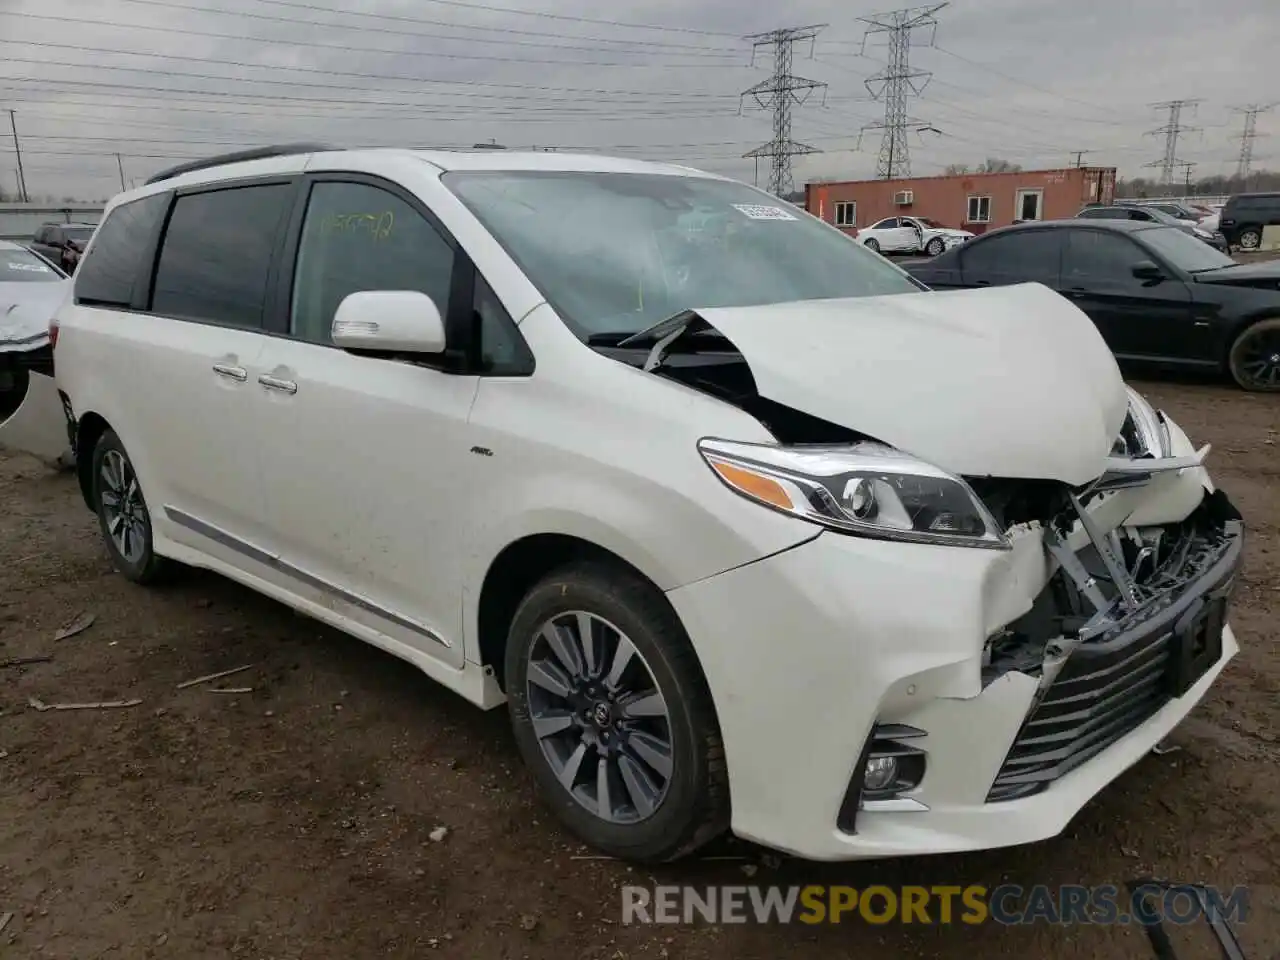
1250 238
872 244
123 515
1254 360
664 788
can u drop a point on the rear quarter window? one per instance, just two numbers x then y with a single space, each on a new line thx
116 261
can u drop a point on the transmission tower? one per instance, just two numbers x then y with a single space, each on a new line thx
896 82
1171 130
780 93
1248 135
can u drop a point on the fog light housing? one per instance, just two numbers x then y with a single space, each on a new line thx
880 773
888 769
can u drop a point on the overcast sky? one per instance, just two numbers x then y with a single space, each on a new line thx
1030 81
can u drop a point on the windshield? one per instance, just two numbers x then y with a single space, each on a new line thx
1184 251
618 252
22 266
1160 216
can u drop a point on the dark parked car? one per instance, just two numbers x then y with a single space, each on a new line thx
1144 213
1179 211
63 242
1245 215
1154 293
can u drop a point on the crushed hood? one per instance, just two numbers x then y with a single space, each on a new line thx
25 312
1008 382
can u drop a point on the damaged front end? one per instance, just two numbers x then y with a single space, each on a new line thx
1131 618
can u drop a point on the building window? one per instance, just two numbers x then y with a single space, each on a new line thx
846 213
979 210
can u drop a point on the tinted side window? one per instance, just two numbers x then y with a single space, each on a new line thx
216 254
360 237
1094 257
106 276
503 351
1019 257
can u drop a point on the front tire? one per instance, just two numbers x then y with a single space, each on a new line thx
613 715
872 244
1254 360
123 515
935 247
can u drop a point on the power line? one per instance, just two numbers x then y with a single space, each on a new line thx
1173 129
649 45
780 93
468 5
491 58
896 82
1248 135
1080 156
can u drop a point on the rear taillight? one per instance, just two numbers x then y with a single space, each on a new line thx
53 333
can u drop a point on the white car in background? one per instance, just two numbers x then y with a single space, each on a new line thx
31 291
911 235
731 514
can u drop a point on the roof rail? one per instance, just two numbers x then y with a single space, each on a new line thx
257 153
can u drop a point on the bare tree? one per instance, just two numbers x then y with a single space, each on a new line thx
956 169
996 165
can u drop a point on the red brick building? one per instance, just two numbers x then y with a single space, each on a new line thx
970 201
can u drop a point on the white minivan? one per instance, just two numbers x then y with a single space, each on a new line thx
748 529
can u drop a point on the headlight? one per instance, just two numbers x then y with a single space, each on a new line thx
1144 433
866 489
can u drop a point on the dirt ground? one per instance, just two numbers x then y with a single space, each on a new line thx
295 821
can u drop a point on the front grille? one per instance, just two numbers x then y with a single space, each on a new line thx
1099 696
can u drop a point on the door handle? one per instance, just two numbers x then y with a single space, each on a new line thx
275 383
238 374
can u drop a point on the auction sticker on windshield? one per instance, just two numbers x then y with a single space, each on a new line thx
27 267
758 212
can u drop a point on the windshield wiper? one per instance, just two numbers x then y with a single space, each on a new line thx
650 334
661 335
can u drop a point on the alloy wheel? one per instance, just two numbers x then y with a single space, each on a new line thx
1259 361
602 723
1250 240
935 247
123 510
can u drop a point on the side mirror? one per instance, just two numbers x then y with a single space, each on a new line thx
1147 271
395 321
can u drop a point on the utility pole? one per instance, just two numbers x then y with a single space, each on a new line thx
120 167
780 93
896 82
1187 166
1171 130
1247 136
17 149
1080 157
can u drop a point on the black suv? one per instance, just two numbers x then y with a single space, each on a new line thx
1245 215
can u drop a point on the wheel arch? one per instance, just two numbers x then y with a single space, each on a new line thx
517 568
89 429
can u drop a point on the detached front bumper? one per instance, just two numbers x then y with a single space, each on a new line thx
31 419
807 652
